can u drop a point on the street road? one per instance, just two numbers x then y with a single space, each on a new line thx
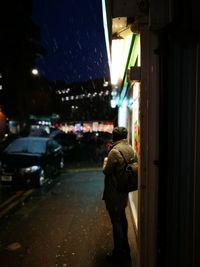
63 224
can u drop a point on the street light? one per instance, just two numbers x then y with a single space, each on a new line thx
35 72
117 66
117 54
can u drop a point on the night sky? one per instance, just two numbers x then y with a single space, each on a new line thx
73 37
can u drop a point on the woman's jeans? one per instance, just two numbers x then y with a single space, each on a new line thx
120 233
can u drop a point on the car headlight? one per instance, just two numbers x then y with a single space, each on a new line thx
30 169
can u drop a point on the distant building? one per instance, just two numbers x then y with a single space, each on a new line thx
19 47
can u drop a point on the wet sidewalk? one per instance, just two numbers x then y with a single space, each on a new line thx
67 226
90 235
92 243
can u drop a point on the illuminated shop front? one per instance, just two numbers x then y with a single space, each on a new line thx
87 126
127 98
124 59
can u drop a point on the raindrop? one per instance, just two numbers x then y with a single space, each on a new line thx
79 45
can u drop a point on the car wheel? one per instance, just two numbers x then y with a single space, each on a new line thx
40 179
61 163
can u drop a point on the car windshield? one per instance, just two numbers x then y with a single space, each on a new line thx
33 146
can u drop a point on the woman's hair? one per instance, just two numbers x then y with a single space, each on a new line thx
119 133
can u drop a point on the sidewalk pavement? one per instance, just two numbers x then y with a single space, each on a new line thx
94 237
65 226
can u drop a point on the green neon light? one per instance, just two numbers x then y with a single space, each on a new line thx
131 59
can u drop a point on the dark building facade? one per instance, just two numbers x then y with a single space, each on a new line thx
168 195
19 47
84 101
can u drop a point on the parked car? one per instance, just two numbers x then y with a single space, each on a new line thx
8 138
67 141
30 160
38 132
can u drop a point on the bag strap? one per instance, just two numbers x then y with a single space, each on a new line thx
123 157
126 161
